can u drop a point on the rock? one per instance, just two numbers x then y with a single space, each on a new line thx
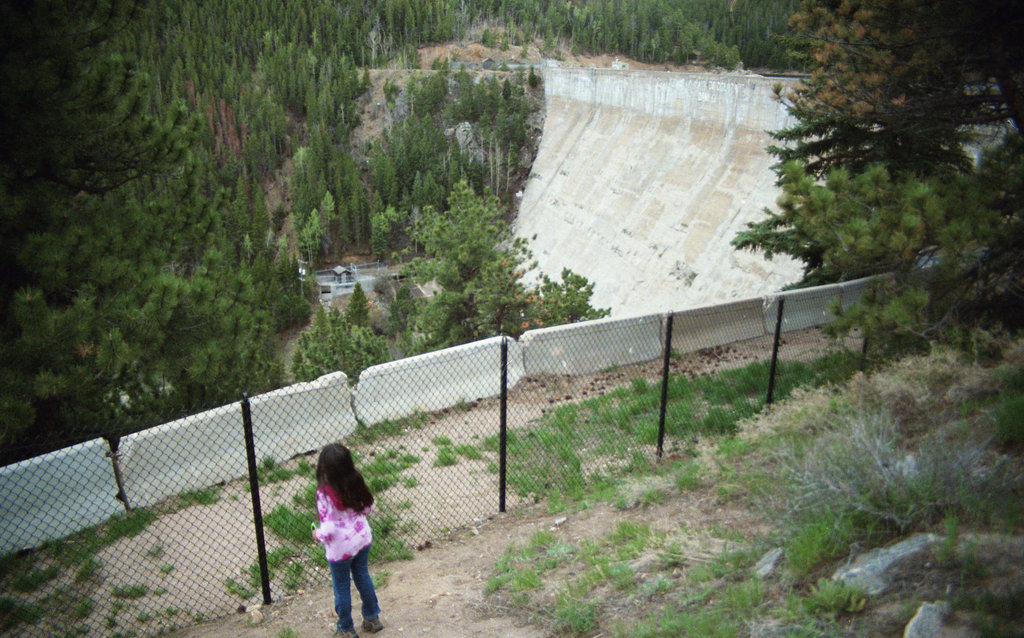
870 570
767 564
465 137
649 565
927 622
255 617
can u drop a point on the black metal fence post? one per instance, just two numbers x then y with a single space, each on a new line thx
775 351
254 488
664 385
502 434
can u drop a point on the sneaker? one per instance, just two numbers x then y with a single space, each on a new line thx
372 625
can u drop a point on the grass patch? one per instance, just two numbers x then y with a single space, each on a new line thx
388 428
388 541
687 477
269 471
835 597
33 579
83 608
236 589
575 616
471 452
15 612
294 576
291 525
128 525
87 569
385 470
1009 423
207 496
446 457
613 433
130 592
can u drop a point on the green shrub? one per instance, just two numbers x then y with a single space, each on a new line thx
130 591
207 496
446 456
833 597
33 579
15 612
865 467
291 525
1009 423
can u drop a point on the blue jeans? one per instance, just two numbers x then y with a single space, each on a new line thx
358 567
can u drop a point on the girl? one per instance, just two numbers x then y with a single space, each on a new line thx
343 500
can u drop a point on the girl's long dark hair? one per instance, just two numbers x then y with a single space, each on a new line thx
336 469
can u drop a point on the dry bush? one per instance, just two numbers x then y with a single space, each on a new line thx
865 466
903 447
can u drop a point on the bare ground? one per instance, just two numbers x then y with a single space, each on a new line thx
441 592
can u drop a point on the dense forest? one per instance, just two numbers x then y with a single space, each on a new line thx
169 165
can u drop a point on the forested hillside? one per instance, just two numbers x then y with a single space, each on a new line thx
166 166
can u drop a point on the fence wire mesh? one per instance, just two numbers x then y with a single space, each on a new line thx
164 531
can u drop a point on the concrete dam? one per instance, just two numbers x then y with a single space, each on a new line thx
643 178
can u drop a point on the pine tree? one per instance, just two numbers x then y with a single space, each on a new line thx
357 313
117 307
895 89
900 82
332 344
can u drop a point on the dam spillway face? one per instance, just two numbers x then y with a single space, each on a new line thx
642 179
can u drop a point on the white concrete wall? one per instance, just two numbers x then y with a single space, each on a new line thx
591 346
56 494
641 181
853 290
435 380
731 99
208 448
191 453
302 417
718 325
805 308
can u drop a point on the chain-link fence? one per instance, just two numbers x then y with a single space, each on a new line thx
161 532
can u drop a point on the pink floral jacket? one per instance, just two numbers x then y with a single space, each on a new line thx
342 531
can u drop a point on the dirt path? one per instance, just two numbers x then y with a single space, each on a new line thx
441 592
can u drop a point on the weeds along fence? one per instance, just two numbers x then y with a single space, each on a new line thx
205 515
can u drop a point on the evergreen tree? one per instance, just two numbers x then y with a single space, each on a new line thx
357 313
461 244
899 82
470 256
332 344
566 301
894 92
117 307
